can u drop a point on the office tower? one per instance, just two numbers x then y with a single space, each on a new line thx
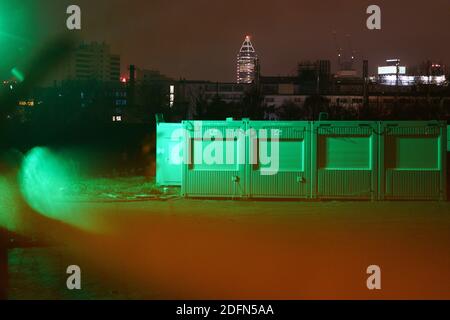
247 62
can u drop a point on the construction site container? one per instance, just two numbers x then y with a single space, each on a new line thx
279 163
394 160
412 160
448 138
344 160
216 159
168 143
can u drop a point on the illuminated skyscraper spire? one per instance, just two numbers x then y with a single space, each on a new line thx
247 61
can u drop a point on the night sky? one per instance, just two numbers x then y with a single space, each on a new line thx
199 39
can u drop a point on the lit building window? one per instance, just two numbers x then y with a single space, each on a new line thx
172 95
29 103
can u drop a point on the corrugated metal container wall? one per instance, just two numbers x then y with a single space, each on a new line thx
448 161
216 165
344 160
282 166
168 167
413 160
448 138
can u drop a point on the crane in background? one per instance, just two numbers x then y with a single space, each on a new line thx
352 52
345 62
338 50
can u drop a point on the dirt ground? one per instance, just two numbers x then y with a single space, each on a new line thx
212 249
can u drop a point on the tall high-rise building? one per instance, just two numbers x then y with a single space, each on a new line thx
88 61
95 61
247 62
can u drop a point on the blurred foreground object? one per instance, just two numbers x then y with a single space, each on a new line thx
3 263
39 66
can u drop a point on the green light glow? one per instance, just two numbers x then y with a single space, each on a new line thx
8 207
18 74
44 181
19 36
47 183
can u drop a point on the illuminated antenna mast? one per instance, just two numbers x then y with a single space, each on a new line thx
247 60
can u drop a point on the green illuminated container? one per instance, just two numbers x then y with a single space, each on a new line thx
279 162
168 164
412 160
344 160
216 159
448 138
298 159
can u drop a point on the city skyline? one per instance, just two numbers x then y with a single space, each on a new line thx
167 37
